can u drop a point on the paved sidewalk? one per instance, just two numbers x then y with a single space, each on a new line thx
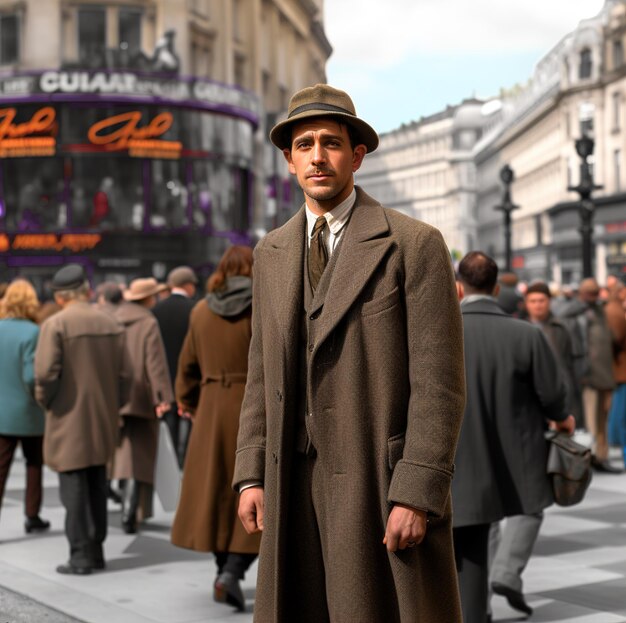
578 573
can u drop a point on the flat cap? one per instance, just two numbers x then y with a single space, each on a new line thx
69 277
181 275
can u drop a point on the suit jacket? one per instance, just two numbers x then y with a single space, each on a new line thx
385 398
172 315
513 385
82 376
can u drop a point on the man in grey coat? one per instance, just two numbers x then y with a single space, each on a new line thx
354 394
513 386
82 377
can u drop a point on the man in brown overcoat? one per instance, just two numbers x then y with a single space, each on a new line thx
82 377
355 394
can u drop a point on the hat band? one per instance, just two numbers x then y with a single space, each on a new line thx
325 107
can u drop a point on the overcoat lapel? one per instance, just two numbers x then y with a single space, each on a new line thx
286 256
366 242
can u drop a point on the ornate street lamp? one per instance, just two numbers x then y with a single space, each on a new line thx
507 206
586 186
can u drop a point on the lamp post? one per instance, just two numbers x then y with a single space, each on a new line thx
507 176
586 186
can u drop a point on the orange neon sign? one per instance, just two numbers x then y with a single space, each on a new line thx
42 122
30 138
123 132
54 242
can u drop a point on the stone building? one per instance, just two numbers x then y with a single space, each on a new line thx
425 169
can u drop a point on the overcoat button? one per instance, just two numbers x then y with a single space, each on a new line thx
279 395
311 348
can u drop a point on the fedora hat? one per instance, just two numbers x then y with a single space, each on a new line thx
322 100
140 289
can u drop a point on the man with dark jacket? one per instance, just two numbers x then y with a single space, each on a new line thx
513 544
513 385
82 377
172 315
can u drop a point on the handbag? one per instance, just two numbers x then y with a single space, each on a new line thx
569 468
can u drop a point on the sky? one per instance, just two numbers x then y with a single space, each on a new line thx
403 59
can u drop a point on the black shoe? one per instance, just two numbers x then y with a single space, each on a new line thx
515 598
69 569
99 565
604 466
129 526
227 590
36 524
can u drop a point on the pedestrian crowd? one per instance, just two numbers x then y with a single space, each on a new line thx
374 426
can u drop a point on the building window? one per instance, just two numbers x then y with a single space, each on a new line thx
617 168
129 30
92 36
584 69
617 106
9 39
618 53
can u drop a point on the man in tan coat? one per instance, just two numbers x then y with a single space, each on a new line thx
354 396
82 378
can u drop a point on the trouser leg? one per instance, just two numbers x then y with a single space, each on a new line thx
518 537
238 564
220 561
471 545
7 450
97 488
32 448
74 492
602 418
305 591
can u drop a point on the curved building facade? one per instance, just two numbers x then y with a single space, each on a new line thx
132 134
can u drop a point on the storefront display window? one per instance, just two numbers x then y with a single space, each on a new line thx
34 194
169 196
107 193
129 31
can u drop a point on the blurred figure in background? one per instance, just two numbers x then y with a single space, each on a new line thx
150 397
616 318
592 344
109 296
172 315
82 377
210 384
21 418
509 298
47 309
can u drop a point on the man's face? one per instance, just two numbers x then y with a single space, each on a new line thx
323 161
538 306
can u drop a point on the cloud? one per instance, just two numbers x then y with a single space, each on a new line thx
382 34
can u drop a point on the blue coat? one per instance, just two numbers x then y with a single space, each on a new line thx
20 415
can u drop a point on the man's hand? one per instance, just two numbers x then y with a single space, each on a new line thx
568 425
406 527
251 509
162 408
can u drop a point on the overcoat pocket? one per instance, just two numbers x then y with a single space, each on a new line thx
381 303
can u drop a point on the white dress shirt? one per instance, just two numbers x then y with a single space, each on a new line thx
336 219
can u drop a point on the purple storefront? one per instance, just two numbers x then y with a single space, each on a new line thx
129 174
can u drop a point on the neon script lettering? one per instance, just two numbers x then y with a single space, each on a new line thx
116 132
42 122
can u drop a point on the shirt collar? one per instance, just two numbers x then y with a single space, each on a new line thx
336 218
472 298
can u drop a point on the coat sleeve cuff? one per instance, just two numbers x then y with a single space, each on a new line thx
420 486
249 466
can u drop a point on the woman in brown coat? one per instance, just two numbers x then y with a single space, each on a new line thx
150 396
210 382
